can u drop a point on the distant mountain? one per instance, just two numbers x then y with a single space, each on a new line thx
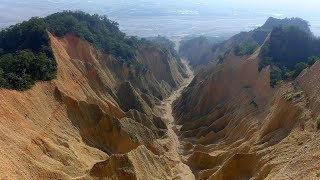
273 22
260 34
288 51
244 43
199 51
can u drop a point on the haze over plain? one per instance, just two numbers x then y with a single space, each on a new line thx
221 18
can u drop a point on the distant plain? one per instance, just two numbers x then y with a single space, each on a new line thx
147 18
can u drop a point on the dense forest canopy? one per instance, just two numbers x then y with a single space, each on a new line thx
25 55
260 34
246 48
97 30
289 50
251 40
102 33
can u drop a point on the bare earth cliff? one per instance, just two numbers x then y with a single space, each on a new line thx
235 126
98 119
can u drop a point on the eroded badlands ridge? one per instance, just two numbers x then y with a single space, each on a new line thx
98 119
237 127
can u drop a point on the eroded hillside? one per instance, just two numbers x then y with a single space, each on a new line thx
236 126
99 115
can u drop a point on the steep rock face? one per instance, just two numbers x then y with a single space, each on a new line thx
165 68
236 126
129 99
108 72
308 82
61 129
199 52
220 84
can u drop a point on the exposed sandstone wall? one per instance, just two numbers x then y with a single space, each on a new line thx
163 65
235 126
65 128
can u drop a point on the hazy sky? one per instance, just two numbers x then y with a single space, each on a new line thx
171 17
302 8
282 4
292 7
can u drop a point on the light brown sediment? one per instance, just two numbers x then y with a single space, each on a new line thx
175 153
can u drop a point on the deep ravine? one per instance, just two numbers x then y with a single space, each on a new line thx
181 170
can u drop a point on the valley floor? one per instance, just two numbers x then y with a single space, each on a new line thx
182 171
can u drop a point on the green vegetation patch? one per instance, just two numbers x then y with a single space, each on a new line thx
289 51
247 43
318 122
25 55
261 33
246 48
97 30
105 35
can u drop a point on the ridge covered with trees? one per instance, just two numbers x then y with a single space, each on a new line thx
250 41
288 51
26 55
97 30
